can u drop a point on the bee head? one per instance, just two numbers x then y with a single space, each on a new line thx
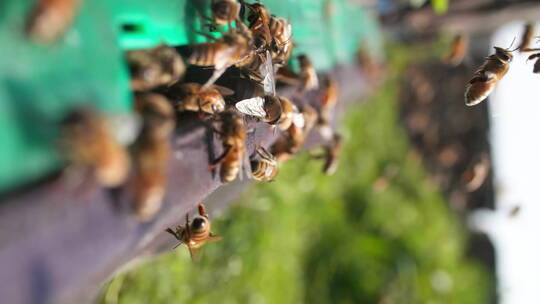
503 55
272 107
199 223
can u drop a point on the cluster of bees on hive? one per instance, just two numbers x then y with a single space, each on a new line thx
259 45
495 66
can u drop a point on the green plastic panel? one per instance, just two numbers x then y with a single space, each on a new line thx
41 83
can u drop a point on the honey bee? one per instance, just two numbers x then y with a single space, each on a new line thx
191 97
225 11
328 100
290 141
487 76
267 108
155 67
151 153
526 38
308 76
258 22
536 68
87 142
475 176
233 137
288 113
264 166
195 233
281 47
50 19
231 49
457 50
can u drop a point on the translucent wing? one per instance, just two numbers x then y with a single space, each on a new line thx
269 80
298 120
252 106
195 254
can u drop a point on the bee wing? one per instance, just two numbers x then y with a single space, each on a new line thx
252 106
194 253
223 90
267 70
214 238
298 120
479 88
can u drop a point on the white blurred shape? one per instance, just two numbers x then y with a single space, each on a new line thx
514 109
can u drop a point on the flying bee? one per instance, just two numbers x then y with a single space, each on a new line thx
195 233
155 67
328 100
225 11
151 153
457 50
88 142
308 76
526 38
232 48
264 166
50 19
233 138
332 152
487 76
191 97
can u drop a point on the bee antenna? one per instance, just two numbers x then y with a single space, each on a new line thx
513 40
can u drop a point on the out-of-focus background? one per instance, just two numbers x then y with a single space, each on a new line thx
432 201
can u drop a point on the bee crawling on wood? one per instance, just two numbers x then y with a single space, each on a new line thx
192 97
155 67
50 19
291 141
232 48
332 152
458 50
282 44
151 153
88 142
267 108
195 233
233 136
264 166
485 79
259 24
289 112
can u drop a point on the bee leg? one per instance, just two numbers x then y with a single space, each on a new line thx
202 210
188 229
218 160
215 76
169 230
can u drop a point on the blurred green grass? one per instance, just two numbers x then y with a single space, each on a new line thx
378 231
